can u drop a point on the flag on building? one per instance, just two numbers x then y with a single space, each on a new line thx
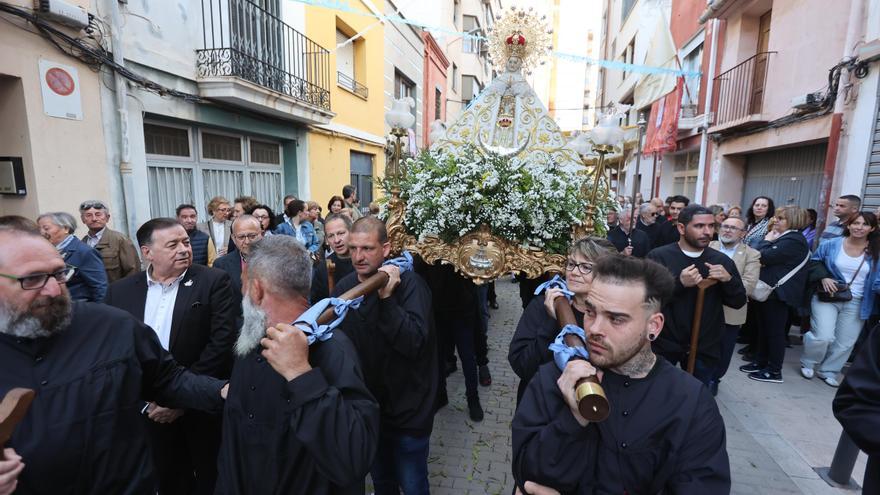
662 132
662 54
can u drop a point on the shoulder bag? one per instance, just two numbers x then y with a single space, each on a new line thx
843 293
763 290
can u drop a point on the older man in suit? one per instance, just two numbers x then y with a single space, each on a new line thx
117 251
218 226
748 263
192 311
245 231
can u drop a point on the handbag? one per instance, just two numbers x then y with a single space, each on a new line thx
843 293
763 289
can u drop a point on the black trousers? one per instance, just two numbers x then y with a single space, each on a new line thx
728 344
458 331
185 453
772 318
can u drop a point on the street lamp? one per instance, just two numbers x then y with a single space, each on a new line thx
399 118
602 140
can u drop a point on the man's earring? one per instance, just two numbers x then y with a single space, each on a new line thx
652 336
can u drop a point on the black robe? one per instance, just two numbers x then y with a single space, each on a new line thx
857 407
649 230
315 434
667 233
84 432
529 347
639 240
679 312
397 346
341 267
664 435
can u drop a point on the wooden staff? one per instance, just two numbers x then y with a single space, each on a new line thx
695 326
12 411
331 270
368 286
591 400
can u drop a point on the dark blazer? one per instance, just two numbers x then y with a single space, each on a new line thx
89 282
203 322
231 264
118 253
780 257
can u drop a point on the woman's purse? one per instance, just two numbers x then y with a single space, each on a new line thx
843 293
763 289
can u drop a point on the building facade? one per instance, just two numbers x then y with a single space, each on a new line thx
405 75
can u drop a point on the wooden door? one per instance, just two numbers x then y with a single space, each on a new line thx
759 77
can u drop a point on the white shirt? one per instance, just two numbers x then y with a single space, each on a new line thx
729 252
848 266
93 240
159 308
219 230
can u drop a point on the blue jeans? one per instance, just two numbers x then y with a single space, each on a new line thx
401 464
834 328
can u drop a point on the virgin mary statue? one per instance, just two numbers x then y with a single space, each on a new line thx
507 118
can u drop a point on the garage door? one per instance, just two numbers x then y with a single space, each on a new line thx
792 176
871 192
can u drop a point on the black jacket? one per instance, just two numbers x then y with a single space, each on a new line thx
231 264
203 323
396 343
650 230
84 433
316 434
857 406
780 257
664 435
529 347
641 244
667 233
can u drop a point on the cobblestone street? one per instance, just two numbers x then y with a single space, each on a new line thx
776 434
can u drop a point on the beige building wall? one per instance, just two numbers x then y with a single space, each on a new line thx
64 160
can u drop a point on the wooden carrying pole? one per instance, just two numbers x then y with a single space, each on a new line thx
591 400
368 286
695 326
12 411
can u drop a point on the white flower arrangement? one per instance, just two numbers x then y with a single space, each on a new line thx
534 204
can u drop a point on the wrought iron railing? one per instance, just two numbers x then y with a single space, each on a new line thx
246 39
739 91
350 84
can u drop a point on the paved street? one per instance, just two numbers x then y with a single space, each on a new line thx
776 433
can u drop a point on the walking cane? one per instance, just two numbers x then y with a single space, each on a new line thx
591 400
698 315
12 411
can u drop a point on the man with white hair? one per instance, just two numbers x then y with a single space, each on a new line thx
89 282
628 241
299 418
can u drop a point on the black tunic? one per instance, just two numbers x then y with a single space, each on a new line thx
664 434
84 432
857 406
529 347
679 312
342 267
396 343
641 244
650 230
315 434
667 233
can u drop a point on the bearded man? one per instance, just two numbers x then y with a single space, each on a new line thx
92 367
299 418
664 434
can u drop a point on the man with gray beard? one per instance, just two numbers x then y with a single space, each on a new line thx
299 418
92 366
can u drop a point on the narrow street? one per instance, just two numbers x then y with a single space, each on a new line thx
776 434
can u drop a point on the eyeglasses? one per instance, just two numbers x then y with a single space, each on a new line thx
250 237
729 227
37 281
88 205
261 217
582 268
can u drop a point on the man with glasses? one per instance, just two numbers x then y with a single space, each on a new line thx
192 310
92 366
246 230
117 251
690 260
748 263
647 221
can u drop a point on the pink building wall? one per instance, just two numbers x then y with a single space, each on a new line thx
435 78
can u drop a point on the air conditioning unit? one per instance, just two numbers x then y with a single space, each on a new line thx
62 12
809 101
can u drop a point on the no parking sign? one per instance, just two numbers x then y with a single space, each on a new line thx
60 87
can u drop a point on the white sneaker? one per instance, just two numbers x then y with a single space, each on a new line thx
807 372
832 381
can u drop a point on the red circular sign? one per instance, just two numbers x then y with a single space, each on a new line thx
59 81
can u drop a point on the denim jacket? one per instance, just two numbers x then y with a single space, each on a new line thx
307 231
827 253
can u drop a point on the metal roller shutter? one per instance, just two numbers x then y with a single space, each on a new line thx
871 190
790 176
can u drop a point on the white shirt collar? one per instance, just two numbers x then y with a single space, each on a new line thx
151 281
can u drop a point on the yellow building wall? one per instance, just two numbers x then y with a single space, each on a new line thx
329 157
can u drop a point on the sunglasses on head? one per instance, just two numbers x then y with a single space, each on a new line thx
88 205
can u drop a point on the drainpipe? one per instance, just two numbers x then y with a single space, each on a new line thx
121 92
855 31
707 107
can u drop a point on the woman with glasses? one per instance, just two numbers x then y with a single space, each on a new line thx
837 319
783 252
89 282
267 219
758 217
537 327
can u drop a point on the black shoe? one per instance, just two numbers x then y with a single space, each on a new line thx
750 368
766 375
746 349
451 367
485 376
493 304
475 410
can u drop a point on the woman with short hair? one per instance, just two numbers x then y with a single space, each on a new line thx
89 281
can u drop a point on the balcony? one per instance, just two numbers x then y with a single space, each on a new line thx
739 95
251 58
349 84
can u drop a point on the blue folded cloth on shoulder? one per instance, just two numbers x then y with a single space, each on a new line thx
563 353
307 322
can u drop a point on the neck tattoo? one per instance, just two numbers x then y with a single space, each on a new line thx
639 365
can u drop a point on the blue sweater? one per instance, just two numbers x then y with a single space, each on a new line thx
827 253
